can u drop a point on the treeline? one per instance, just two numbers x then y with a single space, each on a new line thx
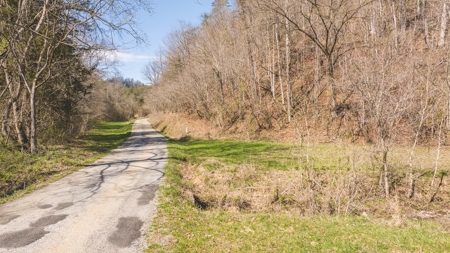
116 99
371 69
126 82
49 53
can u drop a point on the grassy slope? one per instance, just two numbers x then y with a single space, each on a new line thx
21 173
182 227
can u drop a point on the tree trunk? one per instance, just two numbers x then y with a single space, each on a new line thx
403 16
418 10
424 108
271 63
443 24
15 92
288 81
272 77
436 165
33 129
411 155
395 32
277 38
5 118
386 172
316 83
17 125
425 24
332 86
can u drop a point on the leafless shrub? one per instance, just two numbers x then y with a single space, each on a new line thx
245 188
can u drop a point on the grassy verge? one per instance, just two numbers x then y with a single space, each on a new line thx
21 173
232 196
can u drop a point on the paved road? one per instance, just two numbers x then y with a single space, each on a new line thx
105 207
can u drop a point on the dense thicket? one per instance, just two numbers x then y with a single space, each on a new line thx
48 49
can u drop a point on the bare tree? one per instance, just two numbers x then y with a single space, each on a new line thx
40 35
154 69
383 82
443 27
324 22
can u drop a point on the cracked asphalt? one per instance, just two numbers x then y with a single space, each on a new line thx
104 207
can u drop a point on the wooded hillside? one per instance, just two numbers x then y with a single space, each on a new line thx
370 70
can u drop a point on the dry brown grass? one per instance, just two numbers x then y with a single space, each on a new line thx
308 192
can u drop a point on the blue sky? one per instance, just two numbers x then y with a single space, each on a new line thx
166 17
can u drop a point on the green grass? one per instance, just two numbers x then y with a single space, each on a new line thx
267 155
282 156
233 152
182 227
106 136
21 173
216 231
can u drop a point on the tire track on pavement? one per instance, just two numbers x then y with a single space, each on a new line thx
104 207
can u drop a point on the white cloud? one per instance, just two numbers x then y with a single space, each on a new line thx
126 57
